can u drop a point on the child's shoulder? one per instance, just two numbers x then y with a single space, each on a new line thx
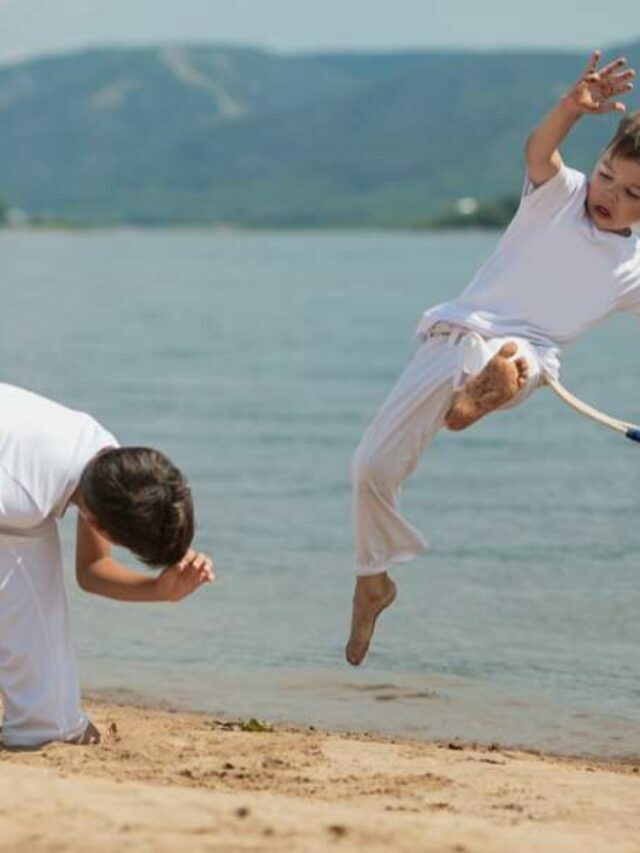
566 185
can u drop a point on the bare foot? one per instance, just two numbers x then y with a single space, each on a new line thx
90 735
496 384
372 595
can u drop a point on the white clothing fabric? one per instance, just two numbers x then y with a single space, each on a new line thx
408 420
553 275
38 673
44 448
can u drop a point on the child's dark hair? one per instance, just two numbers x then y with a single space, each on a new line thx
141 501
626 142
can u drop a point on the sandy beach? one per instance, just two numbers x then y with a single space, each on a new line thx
163 780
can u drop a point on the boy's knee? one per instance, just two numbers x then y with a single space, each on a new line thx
366 468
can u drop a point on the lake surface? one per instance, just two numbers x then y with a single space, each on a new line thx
255 361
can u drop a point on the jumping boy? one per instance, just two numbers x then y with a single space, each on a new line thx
568 259
51 458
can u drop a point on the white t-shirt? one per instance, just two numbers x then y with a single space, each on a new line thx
44 448
553 274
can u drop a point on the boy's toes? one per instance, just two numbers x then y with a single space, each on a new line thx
522 369
91 735
508 349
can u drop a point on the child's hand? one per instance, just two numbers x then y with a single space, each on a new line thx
593 91
180 580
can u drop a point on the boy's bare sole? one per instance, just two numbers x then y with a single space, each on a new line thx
371 597
496 384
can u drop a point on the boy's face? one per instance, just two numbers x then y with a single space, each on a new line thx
613 197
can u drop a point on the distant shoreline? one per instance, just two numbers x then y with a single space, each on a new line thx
246 229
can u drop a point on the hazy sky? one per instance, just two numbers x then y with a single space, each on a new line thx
30 27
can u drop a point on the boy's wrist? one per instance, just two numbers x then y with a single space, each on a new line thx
158 594
568 107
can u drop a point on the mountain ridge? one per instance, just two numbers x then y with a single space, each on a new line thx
199 133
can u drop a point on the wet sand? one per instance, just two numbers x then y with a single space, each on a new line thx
166 780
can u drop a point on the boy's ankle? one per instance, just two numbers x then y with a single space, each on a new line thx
373 586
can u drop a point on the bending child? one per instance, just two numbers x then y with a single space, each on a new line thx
51 458
568 259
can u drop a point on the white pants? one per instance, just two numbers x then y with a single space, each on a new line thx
408 420
38 673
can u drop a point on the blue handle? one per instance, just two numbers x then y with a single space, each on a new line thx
633 433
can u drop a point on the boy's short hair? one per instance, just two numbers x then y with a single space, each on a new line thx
141 501
626 142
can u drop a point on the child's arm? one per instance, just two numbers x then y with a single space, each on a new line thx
592 93
97 572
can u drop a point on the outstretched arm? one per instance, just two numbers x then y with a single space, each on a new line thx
592 93
97 572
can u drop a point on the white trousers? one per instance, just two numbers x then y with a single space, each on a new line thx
38 672
408 420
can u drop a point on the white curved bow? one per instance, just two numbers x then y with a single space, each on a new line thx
630 430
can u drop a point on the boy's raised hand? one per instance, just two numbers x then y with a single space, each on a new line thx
595 88
180 580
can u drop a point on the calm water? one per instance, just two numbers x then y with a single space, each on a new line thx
255 360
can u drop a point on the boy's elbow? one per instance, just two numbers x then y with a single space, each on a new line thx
82 583
541 169
527 146
84 579
532 157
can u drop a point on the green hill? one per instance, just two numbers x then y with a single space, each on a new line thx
203 133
